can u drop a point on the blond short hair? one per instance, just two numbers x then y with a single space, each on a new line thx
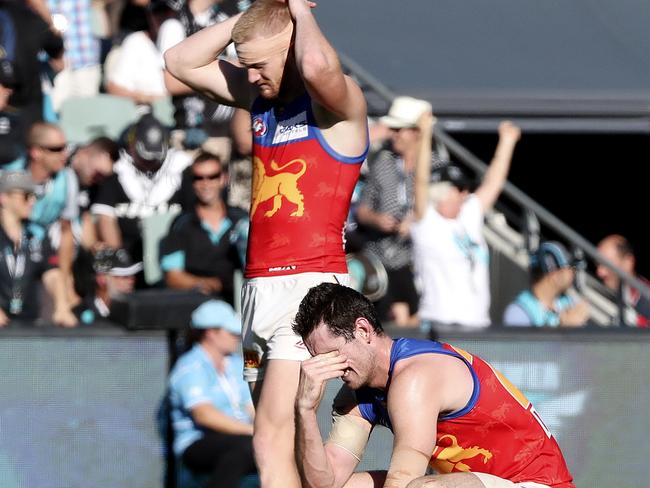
264 18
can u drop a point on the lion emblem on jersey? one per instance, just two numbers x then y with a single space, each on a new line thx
451 457
278 187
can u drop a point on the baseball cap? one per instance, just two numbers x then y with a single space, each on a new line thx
453 174
16 180
551 256
216 314
115 262
150 138
404 112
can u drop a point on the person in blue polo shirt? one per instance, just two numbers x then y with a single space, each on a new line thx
211 407
549 301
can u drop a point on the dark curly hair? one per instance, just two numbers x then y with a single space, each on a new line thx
336 306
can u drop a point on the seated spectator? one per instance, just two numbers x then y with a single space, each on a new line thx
386 205
451 255
198 120
92 164
112 273
547 302
56 193
137 70
619 251
32 35
26 258
145 183
81 74
12 139
211 407
201 250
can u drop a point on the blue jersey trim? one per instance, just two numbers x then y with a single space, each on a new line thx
329 150
405 348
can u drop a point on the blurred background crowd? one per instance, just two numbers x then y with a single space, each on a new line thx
158 196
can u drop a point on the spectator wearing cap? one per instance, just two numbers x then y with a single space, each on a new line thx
112 274
451 255
145 183
201 250
211 407
618 250
548 303
386 205
26 258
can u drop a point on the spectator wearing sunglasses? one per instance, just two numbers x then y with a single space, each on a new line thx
56 193
204 246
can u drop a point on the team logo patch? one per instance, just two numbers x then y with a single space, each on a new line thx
291 129
259 127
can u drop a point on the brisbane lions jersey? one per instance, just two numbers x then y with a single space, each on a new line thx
498 432
300 195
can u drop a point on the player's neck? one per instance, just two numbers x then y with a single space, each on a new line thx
383 347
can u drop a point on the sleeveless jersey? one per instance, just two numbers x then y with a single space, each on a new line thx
301 192
498 432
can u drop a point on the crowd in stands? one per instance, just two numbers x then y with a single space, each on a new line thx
166 206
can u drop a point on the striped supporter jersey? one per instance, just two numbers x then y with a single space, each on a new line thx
300 196
497 432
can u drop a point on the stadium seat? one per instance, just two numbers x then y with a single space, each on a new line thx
163 110
83 119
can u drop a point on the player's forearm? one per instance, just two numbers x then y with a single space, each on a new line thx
199 49
311 457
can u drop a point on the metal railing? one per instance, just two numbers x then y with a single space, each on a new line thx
530 209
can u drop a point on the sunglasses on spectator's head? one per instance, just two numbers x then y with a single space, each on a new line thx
212 176
54 148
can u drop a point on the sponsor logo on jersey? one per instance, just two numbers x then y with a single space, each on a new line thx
291 129
282 268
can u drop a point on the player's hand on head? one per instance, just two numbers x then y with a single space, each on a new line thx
314 374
